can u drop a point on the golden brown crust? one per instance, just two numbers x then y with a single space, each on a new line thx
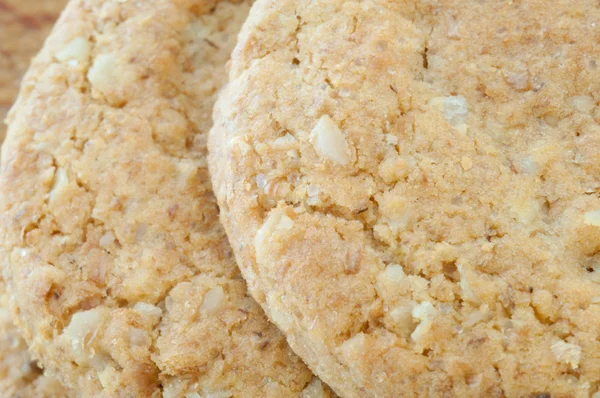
123 280
411 190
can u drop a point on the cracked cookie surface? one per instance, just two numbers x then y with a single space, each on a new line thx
122 277
411 190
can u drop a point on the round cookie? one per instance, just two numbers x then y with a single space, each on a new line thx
122 278
20 377
411 189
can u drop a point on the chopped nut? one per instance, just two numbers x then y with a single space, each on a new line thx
394 273
403 322
276 221
567 353
454 109
285 142
592 218
213 300
103 73
330 142
139 337
261 148
353 346
280 318
466 163
477 316
313 390
148 310
261 181
107 240
467 292
424 312
59 184
453 28
83 328
529 165
77 50
583 103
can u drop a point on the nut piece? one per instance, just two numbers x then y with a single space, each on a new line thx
213 301
592 218
59 184
148 310
394 273
583 103
103 73
313 390
456 110
276 221
76 52
424 312
83 329
567 353
330 142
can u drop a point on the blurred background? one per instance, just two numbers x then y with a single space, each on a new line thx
24 24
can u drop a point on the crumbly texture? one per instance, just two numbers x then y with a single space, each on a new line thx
123 281
24 24
411 189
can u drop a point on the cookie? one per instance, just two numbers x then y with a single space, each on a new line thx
122 277
23 27
411 189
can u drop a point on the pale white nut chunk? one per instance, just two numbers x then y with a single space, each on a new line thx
583 103
103 73
83 329
280 318
353 347
394 273
59 184
567 353
456 110
107 240
148 310
330 142
467 292
77 50
313 390
276 221
424 312
592 218
285 142
139 337
213 300
402 318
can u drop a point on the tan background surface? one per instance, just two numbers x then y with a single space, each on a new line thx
24 24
